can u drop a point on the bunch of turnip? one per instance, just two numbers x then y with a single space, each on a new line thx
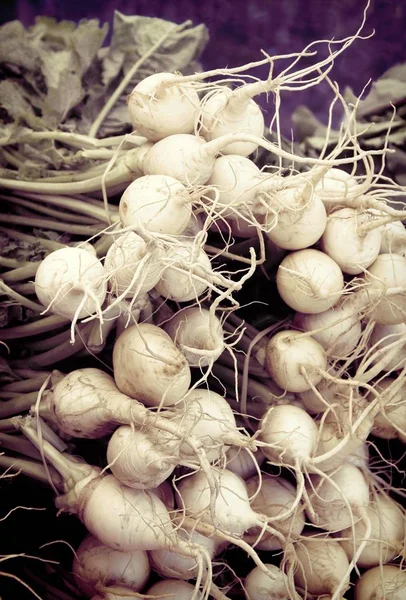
216 434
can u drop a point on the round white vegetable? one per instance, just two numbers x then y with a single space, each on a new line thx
123 258
337 329
335 186
275 498
240 462
71 282
386 582
157 112
171 589
157 203
343 241
386 539
385 335
258 586
148 366
97 564
388 271
185 277
220 116
390 422
288 353
393 238
309 281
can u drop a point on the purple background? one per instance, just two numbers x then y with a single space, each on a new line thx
239 29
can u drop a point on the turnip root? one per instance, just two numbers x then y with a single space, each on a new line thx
386 582
225 111
156 203
158 111
171 588
259 586
187 273
294 361
320 566
98 565
384 336
337 329
276 497
345 241
198 334
385 540
390 421
288 435
337 500
300 220
393 238
385 284
207 416
148 366
318 399
309 281
132 268
71 282
138 460
242 463
335 186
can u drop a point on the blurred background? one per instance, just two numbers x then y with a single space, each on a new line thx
239 29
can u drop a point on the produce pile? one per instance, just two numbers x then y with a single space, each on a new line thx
220 312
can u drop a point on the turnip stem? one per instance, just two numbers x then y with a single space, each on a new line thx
124 172
7 425
71 217
64 350
5 289
49 342
31 384
31 468
12 263
20 445
81 206
36 327
17 404
20 273
26 289
86 230
25 237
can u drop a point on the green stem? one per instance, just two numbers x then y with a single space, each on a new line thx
21 273
127 80
18 404
6 290
48 343
26 289
31 384
25 237
39 208
7 425
76 140
55 355
86 230
35 328
124 172
19 444
81 205
31 468
12 263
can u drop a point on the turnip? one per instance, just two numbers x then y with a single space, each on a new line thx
98 565
145 348
294 361
339 499
207 417
243 463
138 460
393 238
275 497
71 282
348 243
300 218
319 566
156 203
158 111
335 186
337 329
384 288
187 273
259 586
390 421
385 538
386 582
318 399
384 336
225 111
132 268
288 435
309 281
171 589
198 334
